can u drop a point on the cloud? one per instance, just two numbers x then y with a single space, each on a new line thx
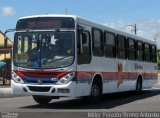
147 28
7 11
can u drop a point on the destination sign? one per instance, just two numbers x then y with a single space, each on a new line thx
44 23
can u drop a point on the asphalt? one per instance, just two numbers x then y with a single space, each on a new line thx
126 102
25 107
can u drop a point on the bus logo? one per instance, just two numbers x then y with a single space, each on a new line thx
39 82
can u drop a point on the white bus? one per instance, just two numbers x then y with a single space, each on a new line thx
68 56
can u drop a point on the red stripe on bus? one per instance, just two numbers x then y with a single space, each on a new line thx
41 74
80 74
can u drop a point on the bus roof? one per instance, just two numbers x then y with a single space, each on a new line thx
94 24
50 15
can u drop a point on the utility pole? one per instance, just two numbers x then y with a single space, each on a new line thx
135 28
66 11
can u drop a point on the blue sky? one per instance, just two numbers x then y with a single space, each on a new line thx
114 13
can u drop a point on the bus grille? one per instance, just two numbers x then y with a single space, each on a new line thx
39 89
43 81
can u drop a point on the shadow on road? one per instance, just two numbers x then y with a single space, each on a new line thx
108 101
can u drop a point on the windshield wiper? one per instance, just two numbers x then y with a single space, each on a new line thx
61 58
58 59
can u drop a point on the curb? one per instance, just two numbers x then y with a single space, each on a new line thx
6 93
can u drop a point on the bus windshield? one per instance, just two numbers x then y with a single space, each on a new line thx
45 49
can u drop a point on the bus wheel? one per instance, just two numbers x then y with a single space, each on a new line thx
42 99
139 86
96 92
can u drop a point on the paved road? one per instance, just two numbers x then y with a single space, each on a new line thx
148 101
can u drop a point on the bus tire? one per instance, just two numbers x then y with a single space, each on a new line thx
139 86
42 99
95 94
96 91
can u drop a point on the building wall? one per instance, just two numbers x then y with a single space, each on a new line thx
1 40
5 52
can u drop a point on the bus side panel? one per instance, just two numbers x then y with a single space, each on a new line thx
83 82
17 89
150 73
131 75
109 73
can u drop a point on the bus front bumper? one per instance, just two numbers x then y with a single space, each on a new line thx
65 90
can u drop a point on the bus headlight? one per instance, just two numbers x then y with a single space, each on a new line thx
67 78
16 78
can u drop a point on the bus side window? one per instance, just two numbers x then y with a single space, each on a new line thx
97 41
147 52
153 53
140 51
110 49
84 48
121 51
131 49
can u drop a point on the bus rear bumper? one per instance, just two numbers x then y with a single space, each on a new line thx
66 90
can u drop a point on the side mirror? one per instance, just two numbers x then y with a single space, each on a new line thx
80 29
